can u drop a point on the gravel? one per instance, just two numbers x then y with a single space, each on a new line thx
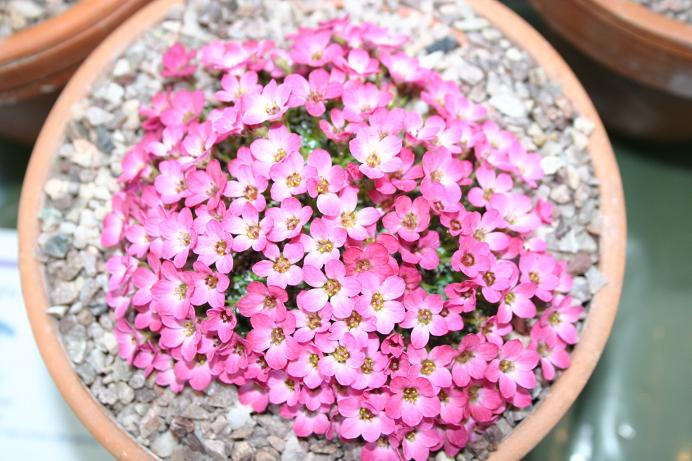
214 425
20 14
680 10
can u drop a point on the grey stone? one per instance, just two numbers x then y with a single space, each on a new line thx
164 444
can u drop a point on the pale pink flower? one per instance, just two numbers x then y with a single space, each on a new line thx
489 184
271 104
249 230
384 449
206 186
234 87
380 300
358 62
171 294
288 220
279 144
443 173
335 287
307 422
222 321
472 257
171 183
418 442
484 400
314 92
539 270
254 395
342 358
361 99
364 418
314 48
210 286
500 276
371 374
433 364
247 188
183 334
517 301
288 177
560 318
305 366
283 388
196 371
184 107
214 247
517 211
452 407
402 67
551 350
179 237
322 176
343 211
323 243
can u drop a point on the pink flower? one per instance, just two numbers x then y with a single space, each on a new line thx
315 91
371 374
452 406
551 349
196 371
181 333
500 276
280 266
282 388
273 339
539 270
210 286
246 189
206 186
412 399
423 315
177 62
234 88
517 301
409 218
185 106
221 321
381 450
342 359
323 243
249 231
419 441
179 237
490 184
171 182
514 366
305 366
271 104
560 318
372 258
473 358
516 210
314 48
443 174
483 400
402 67
377 155
270 300
254 395
336 129
322 177
380 301
288 177
433 364
343 210
482 227
361 99
364 418
171 294
358 62
214 247
335 287
288 220
307 422
472 257
279 144
424 252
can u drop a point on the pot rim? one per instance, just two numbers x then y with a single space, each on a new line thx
524 437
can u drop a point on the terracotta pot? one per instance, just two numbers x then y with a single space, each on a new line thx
525 436
40 59
636 63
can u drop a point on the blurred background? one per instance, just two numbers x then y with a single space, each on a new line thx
637 405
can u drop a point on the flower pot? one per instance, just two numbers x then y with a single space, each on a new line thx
38 60
637 64
523 438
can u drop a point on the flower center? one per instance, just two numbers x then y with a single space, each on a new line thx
479 235
436 176
411 436
184 238
211 281
442 395
250 193
506 366
290 384
424 316
180 187
181 291
465 356
554 319
272 108
489 278
225 318
269 302
488 194
280 154
365 414
277 336
363 265
332 287
201 359
455 225
220 248
253 232
473 393
377 301
410 220
468 260
373 160
314 321
292 223
348 219
535 278
189 328
542 349
281 265
294 179
353 321
341 354
314 359
316 55
427 367
368 366
411 394
322 186
510 298
324 246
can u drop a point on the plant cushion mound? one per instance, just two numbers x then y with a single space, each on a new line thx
338 231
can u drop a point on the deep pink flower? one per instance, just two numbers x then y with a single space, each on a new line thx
484 400
452 406
500 276
472 360
539 270
177 61
206 186
472 257
322 176
384 449
551 350
433 364
517 301
214 247
254 395
196 371
307 422
171 294
418 442
222 321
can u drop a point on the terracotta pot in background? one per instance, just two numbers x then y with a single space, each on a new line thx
563 392
39 60
635 63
